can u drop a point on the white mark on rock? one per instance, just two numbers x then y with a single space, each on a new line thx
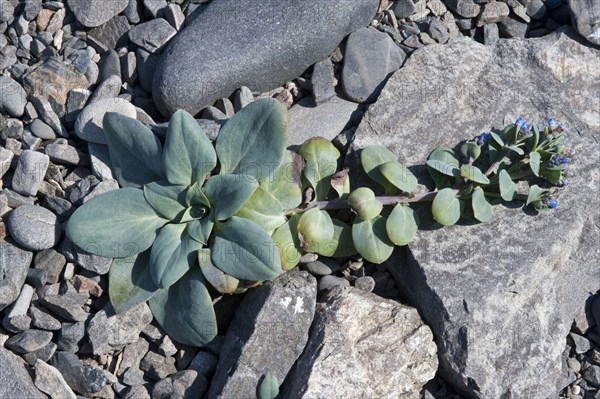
299 307
285 302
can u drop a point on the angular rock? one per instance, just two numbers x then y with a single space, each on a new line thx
29 341
12 97
53 80
14 377
14 263
204 363
110 332
94 263
146 66
323 81
111 35
44 320
157 367
370 57
16 320
209 60
492 13
48 115
67 306
403 8
386 345
88 125
279 312
64 154
108 88
30 172
100 159
438 30
85 380
501 313
70 336
184 384
49 380
92 13
77 100
585 15
326 120
152 35
52 262
175 16
6 158
34 227
43 354
464 8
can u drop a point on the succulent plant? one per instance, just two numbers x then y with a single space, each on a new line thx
194 222
189 214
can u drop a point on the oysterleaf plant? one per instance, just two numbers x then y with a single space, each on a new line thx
194 221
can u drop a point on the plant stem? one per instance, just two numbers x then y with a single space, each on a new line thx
339 203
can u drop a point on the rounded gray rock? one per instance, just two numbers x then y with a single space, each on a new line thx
42 130
328 282
92 13
34 227
12 97
209 59
88 125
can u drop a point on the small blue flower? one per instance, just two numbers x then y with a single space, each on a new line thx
520 122
565 160
405 35
566 183
571 174
485 137
552 122
553 203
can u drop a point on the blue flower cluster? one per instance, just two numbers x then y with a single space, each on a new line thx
554 127
558 159
549 202
482 139
524 127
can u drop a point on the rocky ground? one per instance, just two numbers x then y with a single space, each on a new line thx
504 309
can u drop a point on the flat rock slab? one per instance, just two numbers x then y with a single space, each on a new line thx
92 13
363 346
14 263
501 296
267 334
585 15
15 378
262 45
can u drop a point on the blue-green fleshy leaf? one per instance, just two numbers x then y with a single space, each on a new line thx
172 254
185 310
135 152
245 251
166 199
129 282
200 229
188 155
115 220
228 193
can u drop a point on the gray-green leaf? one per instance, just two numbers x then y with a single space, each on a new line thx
129 282
172 255
315 229
402 225
245 251
166 199
371 239
188 155
446 208
288 243
399 175
135 152
341 245
508 188
264 210
535 194
373 156
482 210
534 162
185 310
115 220
268 388
443 160
222 282
253 141
283 184
321 164
473 173
200 229
228 193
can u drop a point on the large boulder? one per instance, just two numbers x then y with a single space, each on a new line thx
235 43
585 15
500 296
363 346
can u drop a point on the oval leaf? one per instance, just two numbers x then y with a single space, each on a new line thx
284 185
341 245
482 210
534 162
321 164
341 183
399 176
446 208
373 156
371 239
288 243
167 200
185 310
245 251
172 255
264 210
363 202
401 225
135 152
268 387
113 220
535 194
222 282
474 174
508 188
228 193
129 282
200 229
315 229
470 150
253 141
188 156
443 160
